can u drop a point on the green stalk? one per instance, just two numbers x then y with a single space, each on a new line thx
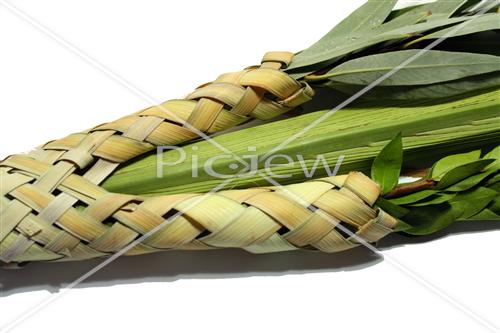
429 132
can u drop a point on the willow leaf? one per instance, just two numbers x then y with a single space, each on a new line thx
405 10
483 23
387 165
422 92
368 16
446 8
330 47
371 14
438 9
406 19
427 68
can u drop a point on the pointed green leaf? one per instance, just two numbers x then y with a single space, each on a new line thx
461 172
412 198
493 180
433 91
387 165
331 47
493 154
368 16
450 162
435 200
485 215
470 182
405 20
483 23
440 9
428 67
405 10
445 8
472 202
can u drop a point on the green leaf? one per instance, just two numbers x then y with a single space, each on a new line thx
482 23
429 219
493 181
493 154
485 215
366 17
405 10
433 91
438 199
446 8
489 6
450 162
427 68
440 9
387 165
472 202
412 198
461 172
494 206
371 14
407 19
470 182
330 47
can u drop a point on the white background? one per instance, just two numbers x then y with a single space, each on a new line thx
165 49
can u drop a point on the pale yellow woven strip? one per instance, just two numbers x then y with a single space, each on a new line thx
258 220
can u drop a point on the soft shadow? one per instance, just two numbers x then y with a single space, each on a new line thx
173 265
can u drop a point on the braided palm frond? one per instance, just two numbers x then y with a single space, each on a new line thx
309 215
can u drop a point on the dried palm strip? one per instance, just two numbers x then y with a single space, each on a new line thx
300 216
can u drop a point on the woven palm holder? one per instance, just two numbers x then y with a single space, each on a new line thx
53 209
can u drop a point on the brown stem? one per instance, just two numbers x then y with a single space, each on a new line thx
404 189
